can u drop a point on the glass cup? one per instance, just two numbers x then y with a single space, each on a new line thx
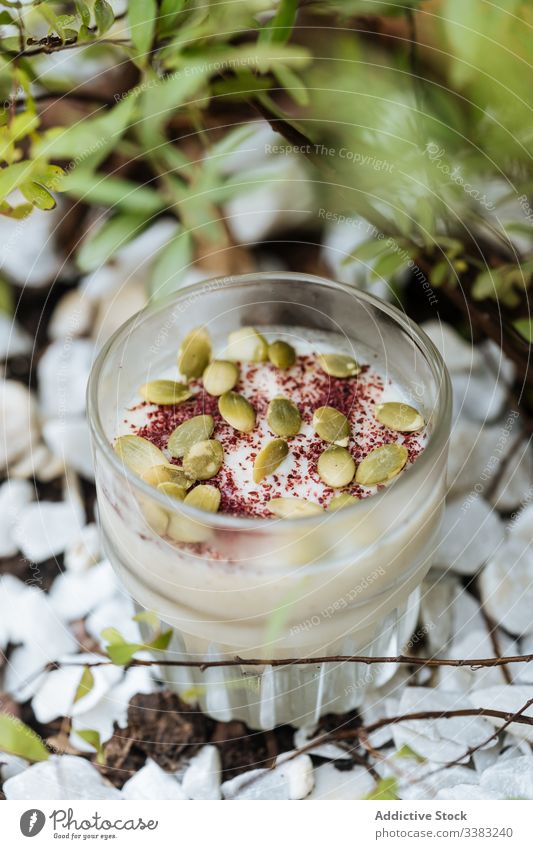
240 588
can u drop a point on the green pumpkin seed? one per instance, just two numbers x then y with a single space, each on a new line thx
283 417
220 376
203 460
165 392
138 453
156 517
237 411
269 458
194 353
167 473
338 365
281 354
331 425
293 508
196 429
204 497
381 464
336 466
247 345
173 490
343 499
398 416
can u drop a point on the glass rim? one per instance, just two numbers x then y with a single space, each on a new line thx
224 521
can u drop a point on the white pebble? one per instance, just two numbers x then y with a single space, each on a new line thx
471 532
18 422
202 777
506 584
60 778
62 375
151 782
47 528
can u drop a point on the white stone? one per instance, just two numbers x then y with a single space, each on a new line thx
39 463
334 784
291 780
56 694
14 341
458 354
278 195
151 782
18 422
11 765
72 316
85 551
508 698
46 528
60 778
75 594
25 673
117 308
515 484
27 251
202 777
116 612
68 439
512 778
339 241
479 396
505 586
14 495
29 618
62 375
303 737
471 532
439 740
467 792
521 526
473 644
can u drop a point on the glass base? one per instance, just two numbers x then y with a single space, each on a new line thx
264 697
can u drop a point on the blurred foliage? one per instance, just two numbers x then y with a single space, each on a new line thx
423 107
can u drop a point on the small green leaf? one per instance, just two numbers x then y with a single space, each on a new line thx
38 195
7 301
104 16
367 250
525 328
84 12
112 636
86 684
16 738
291 82
142 16
122 654
278 30
405 751
149 617
5 19
116 232
386 266
168 13
161 641
92 737
385 790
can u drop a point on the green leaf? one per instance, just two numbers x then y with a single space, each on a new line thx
7 301
113 192
366 251
38 195
160 642
149 617
12 176
113 235
386 266
16 738
278 30
92 737
525 328
142 16
385 790
104 16
405 751
112 636
18 213
86 684
292 83
168 14
122 655
84 12
171 264
5 18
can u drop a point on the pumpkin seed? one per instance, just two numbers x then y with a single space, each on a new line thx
398 416
156 517
173 490
293 508
269 458
220 376
331 425
338 365
165 392
196 429
343 499
281 354
237 411
138 453
204 497
283 417
203 459
381 464
247 345
194 353
166 473
336 466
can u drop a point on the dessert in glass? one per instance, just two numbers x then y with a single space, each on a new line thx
270 455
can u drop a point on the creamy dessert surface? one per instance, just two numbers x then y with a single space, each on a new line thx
307 386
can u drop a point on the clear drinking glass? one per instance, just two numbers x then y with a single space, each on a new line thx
340 583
